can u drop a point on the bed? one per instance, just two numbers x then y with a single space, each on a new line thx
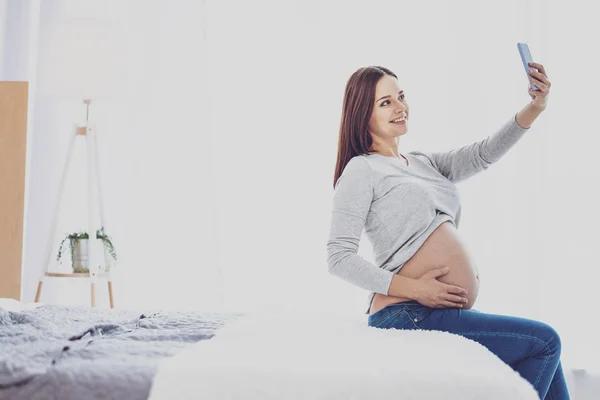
57 352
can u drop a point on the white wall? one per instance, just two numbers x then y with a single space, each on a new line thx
151 143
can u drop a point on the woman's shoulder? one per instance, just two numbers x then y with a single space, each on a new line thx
357 169
358 165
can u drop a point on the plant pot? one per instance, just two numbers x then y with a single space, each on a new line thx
80 255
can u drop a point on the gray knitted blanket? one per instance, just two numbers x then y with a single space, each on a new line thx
57 352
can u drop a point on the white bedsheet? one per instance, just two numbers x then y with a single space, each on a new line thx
324 357
15 305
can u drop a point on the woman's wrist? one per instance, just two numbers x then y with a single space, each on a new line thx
403 286
527 115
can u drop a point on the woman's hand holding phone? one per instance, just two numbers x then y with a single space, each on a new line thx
539 86
539 79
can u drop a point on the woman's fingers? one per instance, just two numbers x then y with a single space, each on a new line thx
449 304
539 67
539 76
456 290
456 299
539 79
540 85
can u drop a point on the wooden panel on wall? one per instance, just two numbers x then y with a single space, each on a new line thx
13 142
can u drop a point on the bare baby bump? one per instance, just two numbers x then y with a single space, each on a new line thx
443 248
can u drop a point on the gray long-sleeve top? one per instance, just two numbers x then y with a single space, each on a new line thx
399 206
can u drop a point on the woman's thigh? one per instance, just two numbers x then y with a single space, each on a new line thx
510 338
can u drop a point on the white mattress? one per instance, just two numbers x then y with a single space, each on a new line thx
297 356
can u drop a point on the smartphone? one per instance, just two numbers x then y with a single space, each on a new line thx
526 59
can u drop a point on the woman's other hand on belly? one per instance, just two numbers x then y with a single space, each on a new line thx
434 293
463 277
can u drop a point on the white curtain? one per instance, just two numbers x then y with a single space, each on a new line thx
218 159
18 22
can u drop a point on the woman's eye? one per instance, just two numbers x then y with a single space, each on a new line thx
387 101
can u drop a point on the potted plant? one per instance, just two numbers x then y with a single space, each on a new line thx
79 245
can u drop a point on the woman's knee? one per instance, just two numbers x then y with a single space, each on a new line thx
550 337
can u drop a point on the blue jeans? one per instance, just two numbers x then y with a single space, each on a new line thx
529 347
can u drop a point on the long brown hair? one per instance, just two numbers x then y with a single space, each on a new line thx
359 97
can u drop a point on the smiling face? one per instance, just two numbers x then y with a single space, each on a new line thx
390 104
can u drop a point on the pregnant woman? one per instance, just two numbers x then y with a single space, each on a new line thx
408 204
